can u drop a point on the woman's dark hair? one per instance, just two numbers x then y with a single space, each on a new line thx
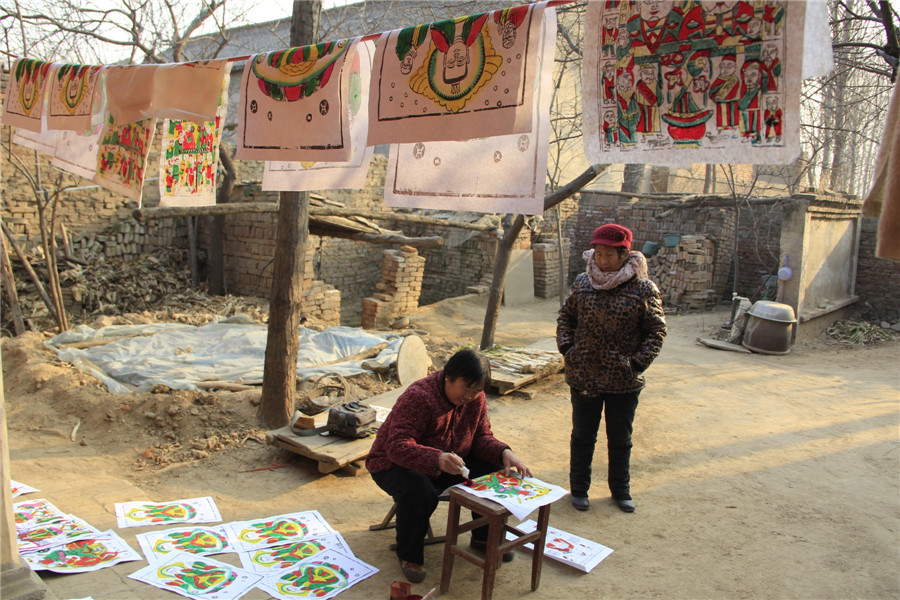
473 367
623 252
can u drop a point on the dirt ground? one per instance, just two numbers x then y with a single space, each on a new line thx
754 476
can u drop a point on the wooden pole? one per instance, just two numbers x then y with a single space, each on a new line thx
31 273
9 284
282 344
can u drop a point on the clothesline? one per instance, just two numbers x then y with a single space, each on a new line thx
374 36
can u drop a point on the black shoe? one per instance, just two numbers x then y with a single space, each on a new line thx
481 546
581 502
625 503
413 572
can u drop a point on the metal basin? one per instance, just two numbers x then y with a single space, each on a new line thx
769 328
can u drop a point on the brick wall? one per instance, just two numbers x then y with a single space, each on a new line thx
877 279
398 291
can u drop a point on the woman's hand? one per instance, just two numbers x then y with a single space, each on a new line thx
511 461
449 462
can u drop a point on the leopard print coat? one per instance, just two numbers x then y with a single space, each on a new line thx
610 337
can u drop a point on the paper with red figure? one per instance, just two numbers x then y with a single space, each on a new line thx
18 489
71 95
191 510
519 495
122 157
189 158
321 576
188 91
458 79
327 175
247 536
567 548
195 576
295 104
680 82
276 558
198 539
499 174
83 555
23 105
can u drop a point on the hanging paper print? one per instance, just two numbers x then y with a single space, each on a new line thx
189 161
197 540
321 576
142 91
122 157
286 555
687 82
504 173
193 510
470 77
519 495
294 104
325 175
70 96
83 555
24 102
272 531
198 577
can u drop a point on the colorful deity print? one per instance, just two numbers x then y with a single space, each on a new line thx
24 102
197 577
294 73
165 513
274 531
313 580
193 510
83 554
195 541
509 487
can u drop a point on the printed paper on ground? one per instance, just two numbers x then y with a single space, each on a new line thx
83 555
568 548
157 545
192 510
322 576
195 576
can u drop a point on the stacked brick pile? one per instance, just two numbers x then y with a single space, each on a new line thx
546 268
321 302
684 273
130 239
398 291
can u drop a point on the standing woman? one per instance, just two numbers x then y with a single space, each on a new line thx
609 329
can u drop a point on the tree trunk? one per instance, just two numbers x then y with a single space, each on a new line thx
492 312
280 372
216 226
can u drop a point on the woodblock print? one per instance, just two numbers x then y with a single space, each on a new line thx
23 105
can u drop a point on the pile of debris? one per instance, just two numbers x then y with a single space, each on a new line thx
115 290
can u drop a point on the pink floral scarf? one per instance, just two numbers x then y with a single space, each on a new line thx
635 264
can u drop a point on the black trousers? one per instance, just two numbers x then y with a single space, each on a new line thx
416 495
586 415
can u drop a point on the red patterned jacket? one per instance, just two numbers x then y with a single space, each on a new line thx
423 424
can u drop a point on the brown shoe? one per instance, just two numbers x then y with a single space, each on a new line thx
413 572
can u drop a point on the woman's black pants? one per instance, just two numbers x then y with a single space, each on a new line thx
586 415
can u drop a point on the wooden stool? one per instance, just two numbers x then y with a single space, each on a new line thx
494 516
390 523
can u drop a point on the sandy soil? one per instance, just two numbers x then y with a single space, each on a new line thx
754 476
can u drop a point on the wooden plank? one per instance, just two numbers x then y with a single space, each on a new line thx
331 451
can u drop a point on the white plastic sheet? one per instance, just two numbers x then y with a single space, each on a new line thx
181 356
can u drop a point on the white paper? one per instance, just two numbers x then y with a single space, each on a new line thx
53 533
195 576
202 540
30 513
276 558
246 536
85 554
520 496
20 488
321 576
567 548
193 510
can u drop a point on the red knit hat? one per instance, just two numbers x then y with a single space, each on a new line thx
612 235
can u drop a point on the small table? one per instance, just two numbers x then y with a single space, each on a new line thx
494 516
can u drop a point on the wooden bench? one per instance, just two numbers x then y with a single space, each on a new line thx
333 452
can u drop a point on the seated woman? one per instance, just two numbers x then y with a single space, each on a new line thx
437 428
